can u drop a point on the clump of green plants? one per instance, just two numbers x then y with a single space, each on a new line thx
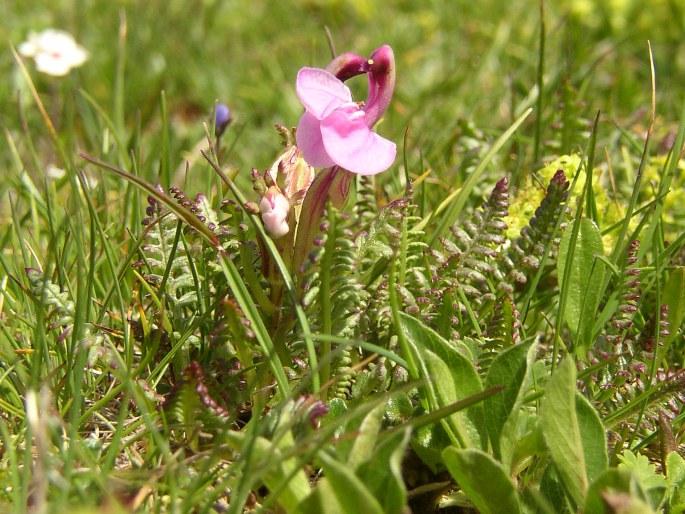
338 332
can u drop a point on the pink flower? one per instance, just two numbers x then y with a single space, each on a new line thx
335 130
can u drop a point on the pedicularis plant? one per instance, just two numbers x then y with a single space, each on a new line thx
290 350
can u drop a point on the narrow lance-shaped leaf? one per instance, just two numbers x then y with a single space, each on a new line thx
674 297
585 278
448 377
277 468
366 438
508 369
616 490
349 490
593 436
561 432
675 468
382 474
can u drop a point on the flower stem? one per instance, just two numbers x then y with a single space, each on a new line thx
331 182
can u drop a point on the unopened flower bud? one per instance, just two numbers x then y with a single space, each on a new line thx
222 118
258 183
292 172
269 179
275 209
252 207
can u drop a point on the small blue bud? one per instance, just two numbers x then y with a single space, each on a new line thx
222 117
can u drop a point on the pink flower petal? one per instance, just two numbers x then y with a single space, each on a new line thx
308 137
320 91
275 209
353 146
381 83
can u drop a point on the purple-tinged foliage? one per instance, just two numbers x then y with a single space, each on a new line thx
526 252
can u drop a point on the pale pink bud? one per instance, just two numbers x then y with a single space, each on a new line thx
275 209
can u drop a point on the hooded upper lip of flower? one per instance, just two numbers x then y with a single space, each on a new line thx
335 130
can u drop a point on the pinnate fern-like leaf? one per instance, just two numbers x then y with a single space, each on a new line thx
57 303
525 253
466 265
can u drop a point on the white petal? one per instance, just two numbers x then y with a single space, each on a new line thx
56 67
28 48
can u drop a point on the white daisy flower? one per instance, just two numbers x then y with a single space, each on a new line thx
54 51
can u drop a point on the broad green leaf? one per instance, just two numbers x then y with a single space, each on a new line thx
529 441
553 490
428 442
624 503
336 408
366 438
398 409
483 480
534 501
509 369
675 468
674 297
382 473
593 436
561 432
613 479
275 468
448 377
438 371
322 500
350 491
585 278
430 437
378 471
619 489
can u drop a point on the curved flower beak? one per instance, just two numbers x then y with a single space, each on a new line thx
381 83
348 65
380 67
